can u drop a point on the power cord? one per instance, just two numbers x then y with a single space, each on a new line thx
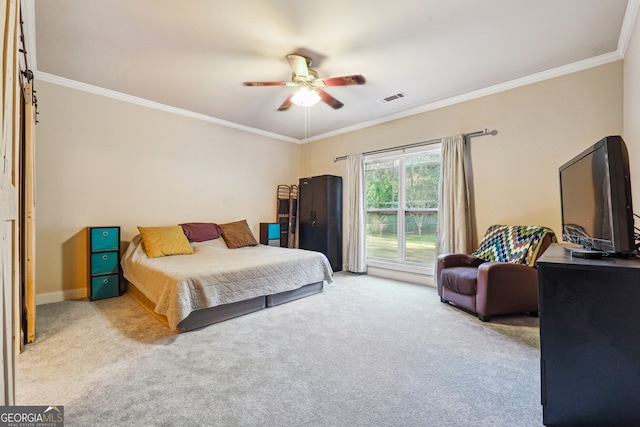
636 236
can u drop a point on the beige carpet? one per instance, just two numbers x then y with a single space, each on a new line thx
367 351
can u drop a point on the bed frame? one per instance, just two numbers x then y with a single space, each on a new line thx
207 316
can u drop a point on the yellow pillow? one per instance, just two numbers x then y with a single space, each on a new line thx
162 241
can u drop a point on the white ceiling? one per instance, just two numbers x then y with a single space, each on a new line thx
191 56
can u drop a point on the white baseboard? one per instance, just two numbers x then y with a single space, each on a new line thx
403 276
71 294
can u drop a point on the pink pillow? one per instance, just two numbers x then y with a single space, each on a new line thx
201 231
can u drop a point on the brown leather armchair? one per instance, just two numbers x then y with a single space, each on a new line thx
487 288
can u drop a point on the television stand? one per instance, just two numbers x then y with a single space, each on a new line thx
580 252
589 346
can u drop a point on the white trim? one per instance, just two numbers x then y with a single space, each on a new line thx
524 81
398 266
156 105
418 278
633 7
627 26
71 294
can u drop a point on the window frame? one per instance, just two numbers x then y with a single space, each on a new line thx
400 263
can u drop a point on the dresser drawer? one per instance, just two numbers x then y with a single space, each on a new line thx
104 263
105 286
104 239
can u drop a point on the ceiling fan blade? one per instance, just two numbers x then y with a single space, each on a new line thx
268 84
356 79
299 65
329 100
286 104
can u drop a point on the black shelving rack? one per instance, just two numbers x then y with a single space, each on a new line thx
287 217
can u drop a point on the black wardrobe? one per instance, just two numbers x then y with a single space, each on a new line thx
320 216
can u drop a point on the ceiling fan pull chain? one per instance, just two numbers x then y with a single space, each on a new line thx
307 122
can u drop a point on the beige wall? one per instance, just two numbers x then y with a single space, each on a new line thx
105 162
631 133
515 173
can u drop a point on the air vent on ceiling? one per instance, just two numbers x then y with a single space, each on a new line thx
393 97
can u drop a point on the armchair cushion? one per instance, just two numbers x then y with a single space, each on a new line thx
462 280
518 244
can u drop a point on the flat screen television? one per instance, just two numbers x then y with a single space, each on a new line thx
595 191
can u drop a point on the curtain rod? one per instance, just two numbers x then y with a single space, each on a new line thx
419 144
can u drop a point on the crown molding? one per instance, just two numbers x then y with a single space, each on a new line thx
524 81
627 26
73 84
633 8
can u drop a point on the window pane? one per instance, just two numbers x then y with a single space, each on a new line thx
422 174
402 203
420 236
382 184
382 235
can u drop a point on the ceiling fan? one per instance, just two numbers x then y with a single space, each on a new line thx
309 85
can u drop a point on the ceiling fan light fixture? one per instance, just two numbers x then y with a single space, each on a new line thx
309 85
305 97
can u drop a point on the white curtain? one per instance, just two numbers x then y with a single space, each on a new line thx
356 258
454 219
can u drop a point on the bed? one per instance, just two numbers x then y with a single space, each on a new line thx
216 283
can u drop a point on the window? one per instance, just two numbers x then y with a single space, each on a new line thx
402 208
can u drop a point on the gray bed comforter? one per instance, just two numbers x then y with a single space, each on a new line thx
216 275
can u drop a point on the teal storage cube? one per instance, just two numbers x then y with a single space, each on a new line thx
273 231
104 263
270 233
105 286
104 239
